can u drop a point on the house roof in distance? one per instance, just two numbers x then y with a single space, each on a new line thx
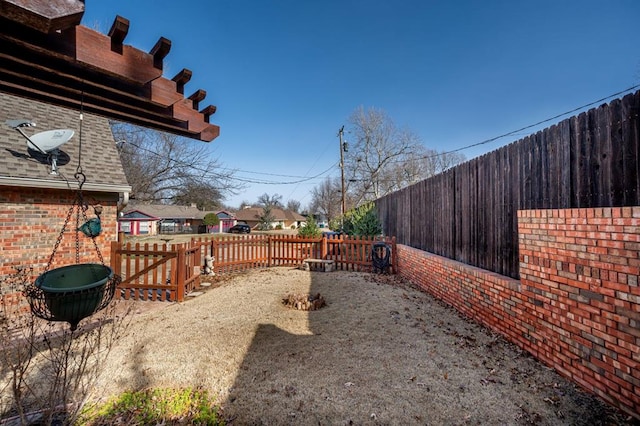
252 214
166 211
99 157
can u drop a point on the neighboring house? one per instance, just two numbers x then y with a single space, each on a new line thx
160 219
282 219
321 220
227 220
135 222
34 203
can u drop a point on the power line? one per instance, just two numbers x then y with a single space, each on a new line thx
514 132
261 182
555 117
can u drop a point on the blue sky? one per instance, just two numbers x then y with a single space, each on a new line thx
286 74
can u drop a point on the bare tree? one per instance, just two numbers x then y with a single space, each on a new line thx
326 199
374 161
244 204
266 218
426 163
166 168
384 158
266 200
206 197
293 205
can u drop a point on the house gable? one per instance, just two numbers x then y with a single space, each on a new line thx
137 215
225 215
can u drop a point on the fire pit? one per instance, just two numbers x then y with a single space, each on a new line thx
304 302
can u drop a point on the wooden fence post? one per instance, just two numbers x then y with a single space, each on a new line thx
323 247
197 258
181 273
115 259
268 251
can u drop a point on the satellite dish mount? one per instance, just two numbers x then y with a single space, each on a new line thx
47 143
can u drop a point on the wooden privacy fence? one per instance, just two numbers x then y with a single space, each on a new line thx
162 272
469 213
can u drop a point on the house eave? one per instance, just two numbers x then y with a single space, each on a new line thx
56 184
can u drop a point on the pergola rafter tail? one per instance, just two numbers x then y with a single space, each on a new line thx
47 55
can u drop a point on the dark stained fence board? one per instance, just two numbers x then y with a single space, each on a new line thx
469 213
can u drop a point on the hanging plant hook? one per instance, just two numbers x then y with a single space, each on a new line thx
80 177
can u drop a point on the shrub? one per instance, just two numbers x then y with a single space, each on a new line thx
211 219
310 229
362 221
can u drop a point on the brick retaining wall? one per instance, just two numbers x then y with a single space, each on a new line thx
577 304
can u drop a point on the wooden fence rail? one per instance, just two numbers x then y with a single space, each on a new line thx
169 272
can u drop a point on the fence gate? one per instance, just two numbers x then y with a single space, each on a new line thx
156 272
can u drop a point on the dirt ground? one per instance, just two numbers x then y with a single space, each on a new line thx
381 352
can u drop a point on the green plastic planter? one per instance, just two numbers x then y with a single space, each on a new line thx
72 293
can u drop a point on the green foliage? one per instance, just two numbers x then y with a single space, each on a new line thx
156 406
335 224
211 219
363 221
311 229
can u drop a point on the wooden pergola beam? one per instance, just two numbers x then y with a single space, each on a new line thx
74 65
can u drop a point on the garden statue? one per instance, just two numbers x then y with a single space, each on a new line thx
208 265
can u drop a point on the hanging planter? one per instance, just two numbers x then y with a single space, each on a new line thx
72 293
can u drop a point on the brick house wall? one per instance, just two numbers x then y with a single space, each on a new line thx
31 220
577 305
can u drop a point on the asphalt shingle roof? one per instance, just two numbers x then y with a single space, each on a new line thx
164 211
254 213
100 160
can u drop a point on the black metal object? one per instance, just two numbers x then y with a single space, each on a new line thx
72 293
381 256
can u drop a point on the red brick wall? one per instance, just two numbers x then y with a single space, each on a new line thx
31 220
577 305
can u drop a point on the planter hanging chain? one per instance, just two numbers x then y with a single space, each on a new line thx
80 208
73 292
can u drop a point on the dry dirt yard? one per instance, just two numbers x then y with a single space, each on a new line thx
381 352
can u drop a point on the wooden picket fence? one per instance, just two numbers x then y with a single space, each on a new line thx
163 272
157 272
235 254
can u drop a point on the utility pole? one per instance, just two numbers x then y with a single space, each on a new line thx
342 149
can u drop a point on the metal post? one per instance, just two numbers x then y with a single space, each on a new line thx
340 133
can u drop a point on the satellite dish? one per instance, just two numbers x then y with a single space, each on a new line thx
46 143
49 141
